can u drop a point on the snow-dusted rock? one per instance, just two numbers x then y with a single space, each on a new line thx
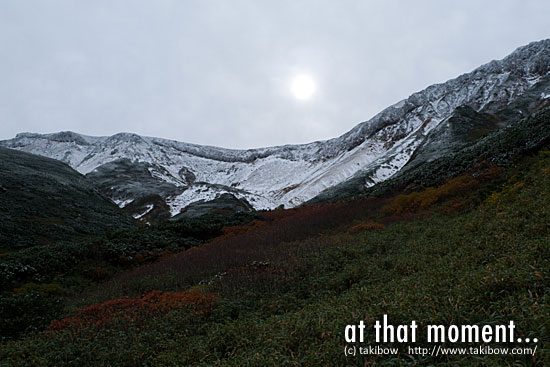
292 174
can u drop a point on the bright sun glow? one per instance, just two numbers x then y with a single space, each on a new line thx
302 87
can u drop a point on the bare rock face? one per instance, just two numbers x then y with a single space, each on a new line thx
427 125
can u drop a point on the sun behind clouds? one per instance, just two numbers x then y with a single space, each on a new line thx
303 87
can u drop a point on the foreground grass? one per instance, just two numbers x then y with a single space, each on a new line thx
486 265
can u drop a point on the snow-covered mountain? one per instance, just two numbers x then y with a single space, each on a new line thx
152 173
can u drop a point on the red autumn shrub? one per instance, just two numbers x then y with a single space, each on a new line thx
366 226
262 240
136 309
230 231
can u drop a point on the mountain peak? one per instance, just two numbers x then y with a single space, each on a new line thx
533 58
290 175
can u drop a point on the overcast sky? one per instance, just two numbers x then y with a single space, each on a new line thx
219 72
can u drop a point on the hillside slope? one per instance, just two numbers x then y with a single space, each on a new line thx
43 200
281 292
521 137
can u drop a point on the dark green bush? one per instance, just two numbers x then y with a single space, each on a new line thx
27 312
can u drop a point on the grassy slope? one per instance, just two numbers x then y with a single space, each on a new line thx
285 290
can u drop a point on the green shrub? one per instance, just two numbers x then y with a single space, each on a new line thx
27 312
45 290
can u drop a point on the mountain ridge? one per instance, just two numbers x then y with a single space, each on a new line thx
292 174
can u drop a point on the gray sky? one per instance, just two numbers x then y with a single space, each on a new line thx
219 72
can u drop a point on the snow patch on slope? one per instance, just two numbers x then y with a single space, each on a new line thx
147 210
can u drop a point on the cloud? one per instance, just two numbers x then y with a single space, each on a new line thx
218 72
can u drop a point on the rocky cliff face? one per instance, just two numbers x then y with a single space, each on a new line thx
130 168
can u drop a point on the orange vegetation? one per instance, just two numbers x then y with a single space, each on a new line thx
415 201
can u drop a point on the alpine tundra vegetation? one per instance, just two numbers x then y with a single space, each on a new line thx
436 210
